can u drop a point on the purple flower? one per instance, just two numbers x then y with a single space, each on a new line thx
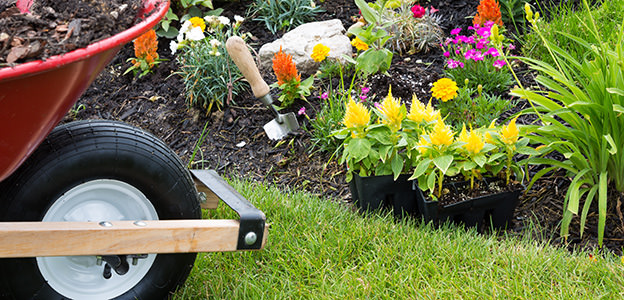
488 24
447 54
301 111
363 97
511 47
365 90
324 95
456 31
474 55
493 52
452 64
499 63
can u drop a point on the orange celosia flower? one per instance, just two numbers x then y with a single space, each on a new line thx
284 68
488 10
145 47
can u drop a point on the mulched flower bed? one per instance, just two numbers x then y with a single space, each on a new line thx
236 145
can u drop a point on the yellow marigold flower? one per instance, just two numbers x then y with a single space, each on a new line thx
441 134
510 133
357 115
198 22
392 112
444 89
359 44
473 141
319 52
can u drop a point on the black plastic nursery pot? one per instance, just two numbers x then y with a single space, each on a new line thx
494 210
383 192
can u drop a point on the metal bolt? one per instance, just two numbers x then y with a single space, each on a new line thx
140 223
202 197
135 261
106 224
250 238
98 260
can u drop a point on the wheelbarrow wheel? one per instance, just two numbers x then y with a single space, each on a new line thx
97 171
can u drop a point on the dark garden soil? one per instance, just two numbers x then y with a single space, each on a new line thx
235 143
53 27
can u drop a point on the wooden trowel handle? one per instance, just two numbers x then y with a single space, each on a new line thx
241 56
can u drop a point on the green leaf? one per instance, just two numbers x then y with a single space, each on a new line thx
615 91
480 160
609 139
397 166
602 205
420 169
443 162
358 148
368 13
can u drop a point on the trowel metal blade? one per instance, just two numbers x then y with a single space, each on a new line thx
276 130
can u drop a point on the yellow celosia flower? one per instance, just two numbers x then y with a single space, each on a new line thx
422 145
444 89
473 141
420 113
198 22
319 52
356 115
510 133
441 134
359 44
392 112
488 136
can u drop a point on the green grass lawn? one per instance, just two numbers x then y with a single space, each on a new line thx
319 249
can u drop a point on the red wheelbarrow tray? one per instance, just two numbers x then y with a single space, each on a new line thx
34 98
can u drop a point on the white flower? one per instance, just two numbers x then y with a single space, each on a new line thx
224 20
238 19
185 26
215 43
173 46
195 34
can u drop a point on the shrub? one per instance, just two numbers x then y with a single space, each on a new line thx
472 57
414 29
283 14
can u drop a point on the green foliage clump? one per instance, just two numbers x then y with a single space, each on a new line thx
182 10
570 21
473 107
283 14
411 34
210 76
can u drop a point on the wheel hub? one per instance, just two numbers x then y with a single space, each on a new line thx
97 277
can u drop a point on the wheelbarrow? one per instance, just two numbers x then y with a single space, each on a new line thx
100 209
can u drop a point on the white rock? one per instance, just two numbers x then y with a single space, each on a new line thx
300 41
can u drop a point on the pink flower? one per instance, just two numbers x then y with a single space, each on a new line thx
418 11
365 90
377 105
433 10
452 64
511 47
301 111
324 96
484 32
499 63
363 97
493 52
481 43
456 31
488 24
447 54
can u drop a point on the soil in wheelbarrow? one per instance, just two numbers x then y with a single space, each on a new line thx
233 142
54 27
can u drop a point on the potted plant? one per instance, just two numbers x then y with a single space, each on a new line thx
375 151
472 179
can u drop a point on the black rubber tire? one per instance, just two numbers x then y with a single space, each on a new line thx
82 151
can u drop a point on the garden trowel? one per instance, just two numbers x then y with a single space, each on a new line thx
283 123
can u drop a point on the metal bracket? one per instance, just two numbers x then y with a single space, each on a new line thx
252 220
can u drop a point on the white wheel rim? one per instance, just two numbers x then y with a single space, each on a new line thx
79 277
